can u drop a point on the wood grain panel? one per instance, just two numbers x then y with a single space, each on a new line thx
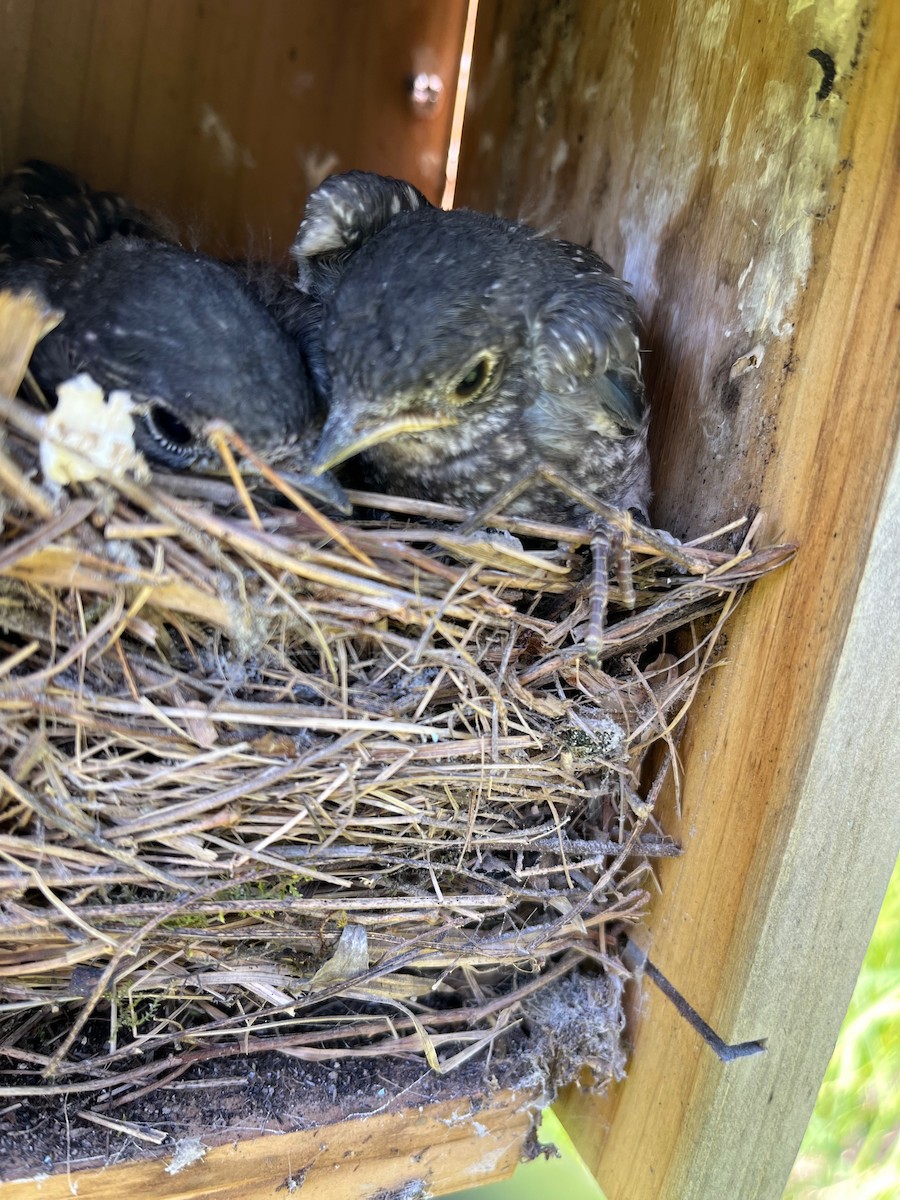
16 20
752 198
163 139
224 114
56 55
110 88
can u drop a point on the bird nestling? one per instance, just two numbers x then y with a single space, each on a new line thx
50 214
468 353
177 331
465 350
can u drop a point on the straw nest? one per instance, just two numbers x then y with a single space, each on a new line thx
273 783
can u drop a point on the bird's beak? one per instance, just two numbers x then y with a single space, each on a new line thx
340 441
321 486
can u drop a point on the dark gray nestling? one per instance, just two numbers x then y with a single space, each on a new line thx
177 330
466 351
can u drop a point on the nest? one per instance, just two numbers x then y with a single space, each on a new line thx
274 783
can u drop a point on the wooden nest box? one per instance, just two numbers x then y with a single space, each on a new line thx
737 164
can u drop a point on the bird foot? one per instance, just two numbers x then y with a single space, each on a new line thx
608 549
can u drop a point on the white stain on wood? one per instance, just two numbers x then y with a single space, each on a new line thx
560 155
317 165
787 165
779 155
231 154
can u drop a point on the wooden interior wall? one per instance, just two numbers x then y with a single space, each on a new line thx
737 162
224 113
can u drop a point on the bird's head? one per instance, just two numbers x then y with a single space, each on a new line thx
184 336
444 332
426 339
455 399
193 349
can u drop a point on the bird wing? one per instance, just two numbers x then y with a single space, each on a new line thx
49 214
341 214
585 347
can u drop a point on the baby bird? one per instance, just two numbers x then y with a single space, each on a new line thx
176 330
50 214
466 352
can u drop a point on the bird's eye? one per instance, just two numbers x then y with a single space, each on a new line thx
166 428
475 380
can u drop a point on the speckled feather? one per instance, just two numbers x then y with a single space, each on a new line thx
411 299
341 214
50 214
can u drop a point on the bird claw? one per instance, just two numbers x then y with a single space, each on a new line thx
621 559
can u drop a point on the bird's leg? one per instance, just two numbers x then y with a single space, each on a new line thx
499 500
608 549
600 547
621 557
643 538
